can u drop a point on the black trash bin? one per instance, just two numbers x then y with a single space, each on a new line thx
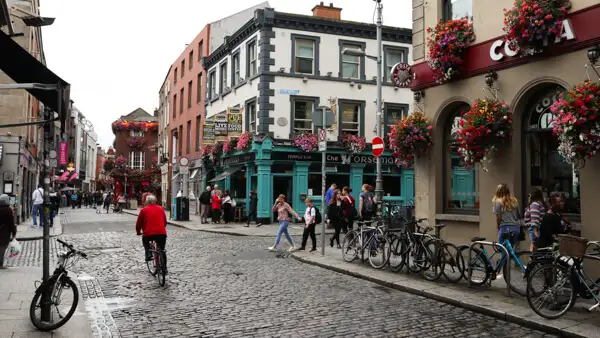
183 209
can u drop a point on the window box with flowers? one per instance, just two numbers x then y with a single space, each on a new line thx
447 43
306 141
121 125
244 141
577 123
229 146
353 144
484 127
530 24
411 137
137 142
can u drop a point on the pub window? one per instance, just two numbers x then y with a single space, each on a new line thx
350 63
393 114
392 184
223 78
544 167
136 133
304 56
136 160
457 9
303 115
350 118
393 56
461 184
251 109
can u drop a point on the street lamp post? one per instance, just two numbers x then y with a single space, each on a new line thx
379 108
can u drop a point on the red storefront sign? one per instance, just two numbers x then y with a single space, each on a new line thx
478 59
63 153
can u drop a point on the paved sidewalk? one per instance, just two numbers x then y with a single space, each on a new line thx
236 229
26 232
16 292
494 302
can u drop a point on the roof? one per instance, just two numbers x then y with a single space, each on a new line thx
138 115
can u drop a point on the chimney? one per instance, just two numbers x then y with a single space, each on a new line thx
327 12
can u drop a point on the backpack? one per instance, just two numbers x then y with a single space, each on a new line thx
318 218
368 206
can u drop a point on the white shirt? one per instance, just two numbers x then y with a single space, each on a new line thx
179 193
309 215
38 196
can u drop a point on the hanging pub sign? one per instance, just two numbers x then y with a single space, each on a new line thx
208 132
401 75
220 122
234 121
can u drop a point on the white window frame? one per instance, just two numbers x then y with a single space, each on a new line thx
213 84
252 115
298 43
223 77
388 66
311 107
357 63
136 156
134 133
343 121
235 63
252 58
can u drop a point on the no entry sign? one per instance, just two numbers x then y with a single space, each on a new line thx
377 146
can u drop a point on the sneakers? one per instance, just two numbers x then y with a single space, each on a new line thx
272 248
258 224
313 249
292 248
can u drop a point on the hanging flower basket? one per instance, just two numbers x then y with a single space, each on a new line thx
410 138
352 143
229 146
109 165
306 141
137 142
447 43
577 124
207 151
244 141
122 125
530 23
482 129
121 161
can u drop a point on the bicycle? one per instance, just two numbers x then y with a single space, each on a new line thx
564 280
48 293
481 261
366 238
157 265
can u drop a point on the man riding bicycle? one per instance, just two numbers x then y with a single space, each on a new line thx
152 226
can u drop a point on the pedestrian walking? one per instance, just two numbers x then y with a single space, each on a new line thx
216 207
350 212
534 214
227 204
107 200
506 209
283 210
205 205
335 214
252 210
366 204
8 229
38 206
99 202
74 200
122 202
310 223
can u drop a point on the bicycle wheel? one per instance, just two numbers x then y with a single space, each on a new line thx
518 277
479 265
550 292
452 267
413 257
433 253
350 246
151 264
398 248
379 252
161 272
61 309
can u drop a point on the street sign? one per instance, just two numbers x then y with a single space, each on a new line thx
53 163
377 146
52 154
401 75
322 140
183 161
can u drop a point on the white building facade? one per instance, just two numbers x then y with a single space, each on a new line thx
163 115
86 145
279 68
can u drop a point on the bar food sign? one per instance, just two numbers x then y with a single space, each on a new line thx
208 132
234 121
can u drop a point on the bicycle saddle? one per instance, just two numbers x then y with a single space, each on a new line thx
477 239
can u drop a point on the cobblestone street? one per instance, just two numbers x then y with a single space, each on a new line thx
230 286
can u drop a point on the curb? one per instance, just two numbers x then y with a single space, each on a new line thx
427 294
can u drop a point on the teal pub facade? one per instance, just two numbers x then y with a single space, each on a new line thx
271 167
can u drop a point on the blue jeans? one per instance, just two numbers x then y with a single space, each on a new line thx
283 230
37 208
514 236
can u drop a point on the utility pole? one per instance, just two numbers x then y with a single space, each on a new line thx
45 219
379 179
323 182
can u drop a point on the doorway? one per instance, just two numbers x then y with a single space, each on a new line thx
282 185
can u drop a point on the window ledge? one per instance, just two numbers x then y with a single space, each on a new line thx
240 84
458 218
214 99
225 93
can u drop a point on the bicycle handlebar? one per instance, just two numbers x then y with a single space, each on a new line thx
71 248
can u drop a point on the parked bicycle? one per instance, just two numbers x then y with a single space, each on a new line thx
49 294
369 239
157 265
484 269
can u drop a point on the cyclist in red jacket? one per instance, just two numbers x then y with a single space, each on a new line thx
152 226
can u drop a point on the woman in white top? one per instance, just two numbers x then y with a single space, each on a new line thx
310 224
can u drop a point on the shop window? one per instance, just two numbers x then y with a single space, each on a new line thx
351 117
392 185
315 182
238 184
461 184
393 55
544 167
302 110
456 9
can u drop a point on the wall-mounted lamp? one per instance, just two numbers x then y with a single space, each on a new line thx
593 55
490 81
282 70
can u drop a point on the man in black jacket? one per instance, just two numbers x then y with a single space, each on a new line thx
205 205
553 223
252 210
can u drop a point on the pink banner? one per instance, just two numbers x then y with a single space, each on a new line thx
74 176
62 153
64 176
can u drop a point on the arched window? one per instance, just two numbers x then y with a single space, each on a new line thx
456 9
461 184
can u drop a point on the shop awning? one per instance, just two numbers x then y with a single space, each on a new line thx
24 68
228 172
194 173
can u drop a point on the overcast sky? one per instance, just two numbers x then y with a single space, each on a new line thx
116 53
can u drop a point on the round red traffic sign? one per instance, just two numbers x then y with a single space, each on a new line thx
377 146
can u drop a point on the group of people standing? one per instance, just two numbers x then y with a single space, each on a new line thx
219 206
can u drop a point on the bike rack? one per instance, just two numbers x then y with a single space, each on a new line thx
495 245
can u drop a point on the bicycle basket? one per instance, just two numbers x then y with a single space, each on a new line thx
573 246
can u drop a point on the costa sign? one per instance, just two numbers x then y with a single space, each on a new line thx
500 48
401 75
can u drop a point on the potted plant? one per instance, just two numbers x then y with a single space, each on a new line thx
577 123
486 125
306 141
244 141
121 161
531 23
447 43
352 143
411 137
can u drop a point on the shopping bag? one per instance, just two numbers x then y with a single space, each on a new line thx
14 248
